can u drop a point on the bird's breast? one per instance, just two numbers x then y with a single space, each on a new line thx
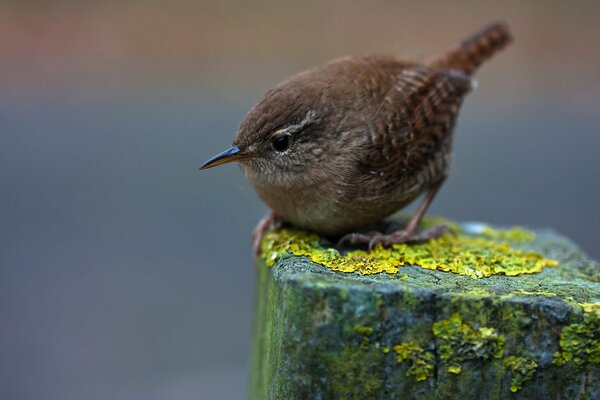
315 208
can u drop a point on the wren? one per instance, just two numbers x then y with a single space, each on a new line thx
346 144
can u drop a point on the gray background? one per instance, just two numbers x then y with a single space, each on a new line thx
125 273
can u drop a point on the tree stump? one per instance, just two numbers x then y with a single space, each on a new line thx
415 332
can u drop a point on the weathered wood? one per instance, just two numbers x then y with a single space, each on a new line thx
423 334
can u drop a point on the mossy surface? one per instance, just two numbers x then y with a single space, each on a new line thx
429 334
580 342
458 342
422 363
522 368
476 253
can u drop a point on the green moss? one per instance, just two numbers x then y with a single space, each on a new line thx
458 342
580 342
522 368
354 364
515 234
364 330
476 256
422 363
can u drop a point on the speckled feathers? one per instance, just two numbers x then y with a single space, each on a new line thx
367 134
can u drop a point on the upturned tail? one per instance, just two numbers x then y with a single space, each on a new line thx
474 50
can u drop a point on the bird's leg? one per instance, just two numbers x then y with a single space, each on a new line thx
407 235
266 223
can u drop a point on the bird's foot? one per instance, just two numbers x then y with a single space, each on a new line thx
357 239
372 239
266 223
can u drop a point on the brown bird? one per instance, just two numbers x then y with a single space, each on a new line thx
346 144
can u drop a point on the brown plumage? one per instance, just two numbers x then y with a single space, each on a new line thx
346 144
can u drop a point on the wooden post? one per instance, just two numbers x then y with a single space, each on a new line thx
428 334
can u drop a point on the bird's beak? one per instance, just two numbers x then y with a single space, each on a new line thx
227 156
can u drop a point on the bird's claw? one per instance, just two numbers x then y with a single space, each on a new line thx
389 240
356 239
372 239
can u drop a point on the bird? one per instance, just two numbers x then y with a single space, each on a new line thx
341 146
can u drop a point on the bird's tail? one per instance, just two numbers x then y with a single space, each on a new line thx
474 50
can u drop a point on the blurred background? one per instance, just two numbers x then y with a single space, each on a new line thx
125 273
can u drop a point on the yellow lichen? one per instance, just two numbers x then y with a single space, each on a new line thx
458 342
591 308
521 292
455 369
522 369
364 330
421 362
580 342
474 256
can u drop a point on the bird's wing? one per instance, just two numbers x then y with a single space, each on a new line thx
415 116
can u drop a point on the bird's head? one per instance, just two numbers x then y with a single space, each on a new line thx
284 140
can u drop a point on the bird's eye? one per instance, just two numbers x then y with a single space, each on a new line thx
281 143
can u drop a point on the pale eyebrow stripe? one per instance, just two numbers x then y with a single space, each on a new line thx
311 116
